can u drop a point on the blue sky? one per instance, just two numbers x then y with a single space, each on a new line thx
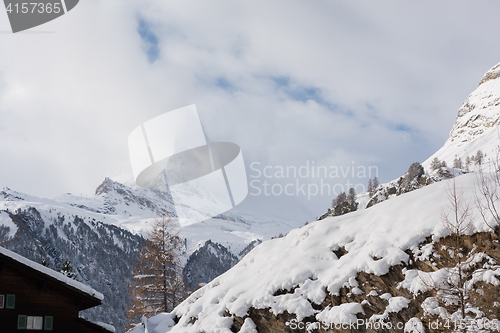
150 40
289 81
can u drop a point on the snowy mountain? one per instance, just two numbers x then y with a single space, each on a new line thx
398 265
100 253
133 208
475 130
314 273
101 236
476 126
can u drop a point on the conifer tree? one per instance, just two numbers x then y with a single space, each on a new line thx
457 163
375 183
370 187
44 262
351 196
415 171
467 164
435 164
158 284
4 234
341 198
67 269
479 157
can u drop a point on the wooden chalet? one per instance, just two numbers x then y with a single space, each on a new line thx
36 298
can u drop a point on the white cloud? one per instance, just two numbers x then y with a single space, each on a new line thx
69 99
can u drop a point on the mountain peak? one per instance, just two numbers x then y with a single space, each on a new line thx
480 111
476 125
106 186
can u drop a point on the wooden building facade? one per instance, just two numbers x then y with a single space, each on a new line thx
36 298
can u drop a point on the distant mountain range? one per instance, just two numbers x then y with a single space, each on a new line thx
101 236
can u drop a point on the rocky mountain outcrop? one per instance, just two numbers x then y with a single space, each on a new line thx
476 125
114 198
479 111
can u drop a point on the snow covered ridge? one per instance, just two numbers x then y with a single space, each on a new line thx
479 116
301 275
492 74
108 327
56 275
414 179
475 128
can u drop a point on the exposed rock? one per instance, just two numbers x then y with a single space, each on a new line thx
206 263
114 193
478 113
492 74
374 291
249 248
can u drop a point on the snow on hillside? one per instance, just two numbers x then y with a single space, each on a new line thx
375 239
295 274
6 222
12 201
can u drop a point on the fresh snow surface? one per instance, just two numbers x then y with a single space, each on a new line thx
109 327
414 325
487 143
6 221
56 275
396 304
375 239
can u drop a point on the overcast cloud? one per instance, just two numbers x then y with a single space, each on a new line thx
377 83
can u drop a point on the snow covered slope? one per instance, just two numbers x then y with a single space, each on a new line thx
315 273
305 263
476 126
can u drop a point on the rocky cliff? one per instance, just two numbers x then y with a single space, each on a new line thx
476 125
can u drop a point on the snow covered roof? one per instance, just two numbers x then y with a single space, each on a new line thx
53 275
99 326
